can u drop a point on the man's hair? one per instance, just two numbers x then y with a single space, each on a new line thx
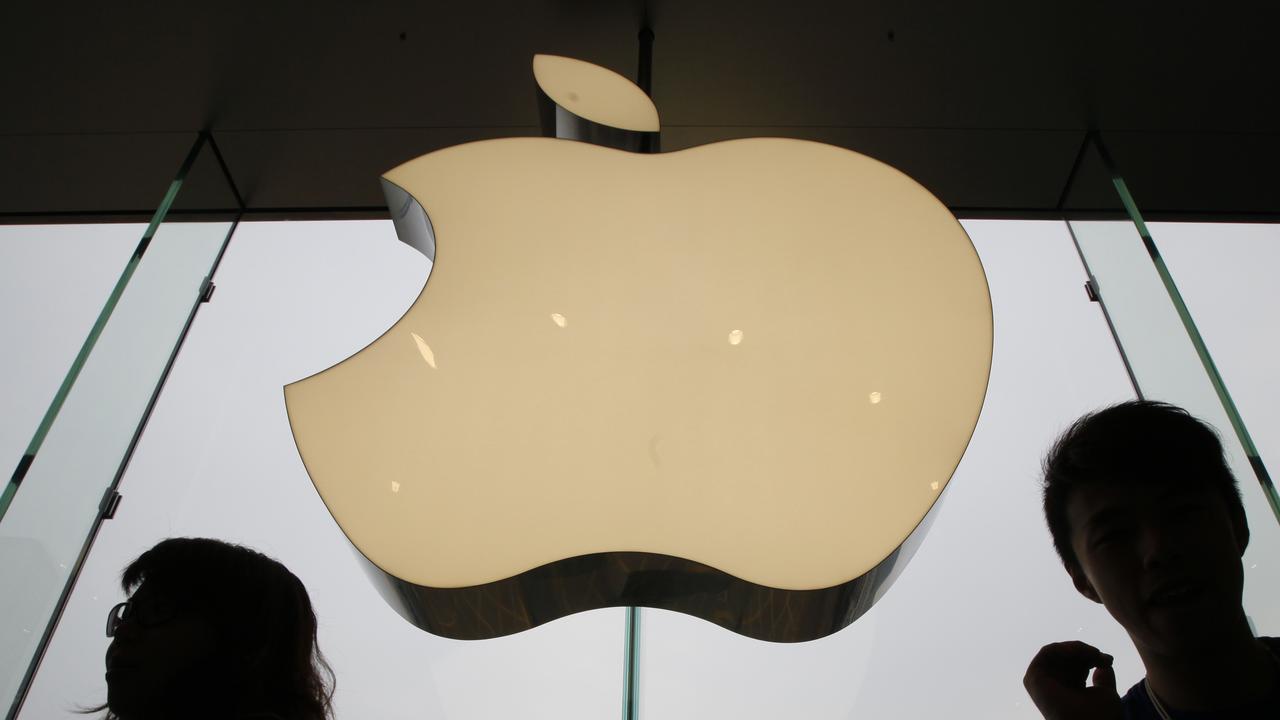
1138 441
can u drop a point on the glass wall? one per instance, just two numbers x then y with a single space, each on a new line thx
64 481
1227 275
53 282
950 639
1168 361
85 438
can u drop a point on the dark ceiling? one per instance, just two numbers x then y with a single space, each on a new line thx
987 104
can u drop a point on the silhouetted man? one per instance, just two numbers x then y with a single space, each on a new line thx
1148 521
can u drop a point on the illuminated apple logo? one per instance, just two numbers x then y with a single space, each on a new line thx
730 381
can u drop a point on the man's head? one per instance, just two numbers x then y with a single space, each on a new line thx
1148 520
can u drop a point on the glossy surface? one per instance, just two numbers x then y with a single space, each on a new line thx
481 437
595 94
635 579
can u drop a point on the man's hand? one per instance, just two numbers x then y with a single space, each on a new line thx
1056 677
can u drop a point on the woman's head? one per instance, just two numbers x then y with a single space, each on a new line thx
217 630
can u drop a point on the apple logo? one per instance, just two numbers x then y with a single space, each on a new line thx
731 381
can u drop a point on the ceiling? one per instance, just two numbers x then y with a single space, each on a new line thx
986 104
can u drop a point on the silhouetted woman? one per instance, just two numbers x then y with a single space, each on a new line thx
214 631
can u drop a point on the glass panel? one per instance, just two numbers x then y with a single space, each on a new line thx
52 513
984 592
53 281
218 459
1166 366
1227 276
953 636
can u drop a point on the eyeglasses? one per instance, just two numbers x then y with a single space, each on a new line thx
144 614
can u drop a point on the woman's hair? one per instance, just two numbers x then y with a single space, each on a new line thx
267 660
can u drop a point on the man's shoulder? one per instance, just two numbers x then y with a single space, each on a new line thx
1137 703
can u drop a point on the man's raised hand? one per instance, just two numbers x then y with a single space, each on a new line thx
1057 679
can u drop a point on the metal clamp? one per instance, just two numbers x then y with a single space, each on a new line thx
110 503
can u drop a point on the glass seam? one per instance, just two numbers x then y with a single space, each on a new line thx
631 665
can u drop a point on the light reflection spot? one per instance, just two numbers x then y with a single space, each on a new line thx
395 486
735 337
559 319
935 484
875 398
425 350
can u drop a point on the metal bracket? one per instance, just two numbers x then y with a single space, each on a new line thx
206 291
1091 290
110 503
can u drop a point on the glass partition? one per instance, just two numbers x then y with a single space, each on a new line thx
218 460
64 482
951 638
1161 343
1226 273
53 282
56 506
